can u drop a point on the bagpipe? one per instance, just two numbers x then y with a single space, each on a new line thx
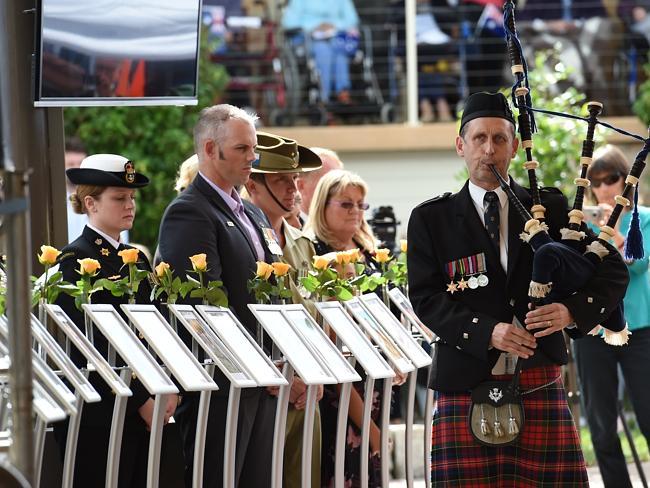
560 268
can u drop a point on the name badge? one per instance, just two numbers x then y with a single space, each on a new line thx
271 241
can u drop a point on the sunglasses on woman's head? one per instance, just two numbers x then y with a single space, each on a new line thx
607 179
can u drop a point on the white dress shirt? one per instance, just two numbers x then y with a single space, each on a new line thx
477 194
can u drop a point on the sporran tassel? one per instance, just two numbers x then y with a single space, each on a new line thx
485 426
498 430
513 427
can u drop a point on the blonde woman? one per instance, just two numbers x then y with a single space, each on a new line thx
337 223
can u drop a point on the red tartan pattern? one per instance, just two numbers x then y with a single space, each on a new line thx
548 452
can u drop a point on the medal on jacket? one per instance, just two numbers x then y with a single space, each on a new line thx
482 278
271 241
452 287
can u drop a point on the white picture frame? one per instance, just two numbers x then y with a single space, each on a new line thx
96 362
396 330
169 347
58 356
213 346
404 305
379 336
308 366
128 346
321 345
356 341
231 331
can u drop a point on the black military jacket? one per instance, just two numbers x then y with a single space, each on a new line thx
447 229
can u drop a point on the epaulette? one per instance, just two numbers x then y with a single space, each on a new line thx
439 198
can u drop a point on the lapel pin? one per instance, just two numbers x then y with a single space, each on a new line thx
98 241
230 223
105 252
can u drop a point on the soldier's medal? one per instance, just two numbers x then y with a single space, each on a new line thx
105 252
483 280
473 282
271 241
463 268
452 287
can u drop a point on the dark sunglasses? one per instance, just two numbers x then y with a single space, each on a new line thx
350 205
608 180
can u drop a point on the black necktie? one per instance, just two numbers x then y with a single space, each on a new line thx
491 217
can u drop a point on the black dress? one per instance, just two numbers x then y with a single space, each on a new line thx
329 406
94 431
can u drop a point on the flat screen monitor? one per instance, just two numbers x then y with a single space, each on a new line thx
117 52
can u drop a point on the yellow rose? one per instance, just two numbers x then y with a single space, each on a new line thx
403 245
88 266
280 268
382 255
264 270
161 268
48 255
199 262
343 257
321 262
129 256
355 255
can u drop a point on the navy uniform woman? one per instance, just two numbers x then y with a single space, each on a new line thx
106 187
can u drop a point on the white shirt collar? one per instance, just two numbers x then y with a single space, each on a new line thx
477 193
110 240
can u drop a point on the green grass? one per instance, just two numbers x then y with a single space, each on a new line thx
639 442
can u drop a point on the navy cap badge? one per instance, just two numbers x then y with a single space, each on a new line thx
129 170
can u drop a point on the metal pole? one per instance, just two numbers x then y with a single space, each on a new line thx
21 452
308 434
155 440
384 426
341 431
408 431
365 429
71 442
230 442
117 429
280 427
411 64
39 442
201 431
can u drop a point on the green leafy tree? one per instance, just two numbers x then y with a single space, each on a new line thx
157 139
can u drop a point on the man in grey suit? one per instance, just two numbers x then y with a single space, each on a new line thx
208 217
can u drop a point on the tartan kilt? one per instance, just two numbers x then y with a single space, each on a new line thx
547 453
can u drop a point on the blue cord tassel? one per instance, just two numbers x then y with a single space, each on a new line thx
634 239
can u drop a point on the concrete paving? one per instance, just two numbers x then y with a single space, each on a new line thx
595 481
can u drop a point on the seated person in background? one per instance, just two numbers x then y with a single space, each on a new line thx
329 24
